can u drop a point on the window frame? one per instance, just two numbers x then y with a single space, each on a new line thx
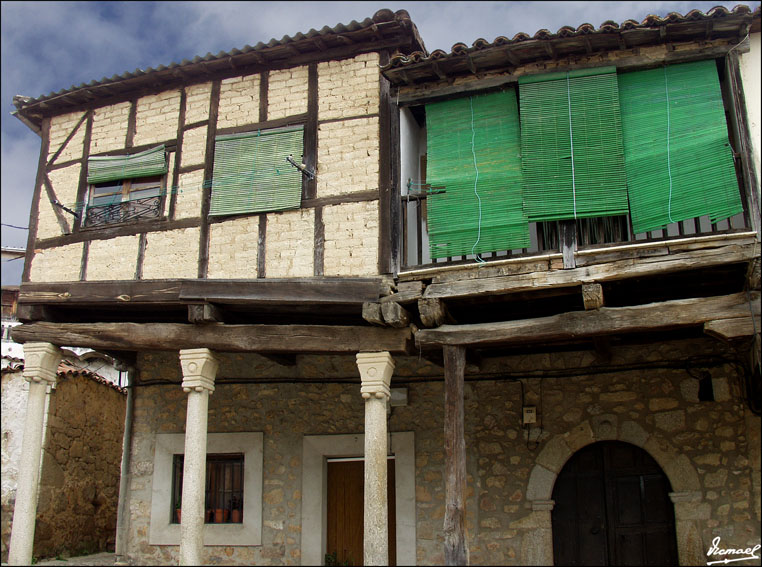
246 533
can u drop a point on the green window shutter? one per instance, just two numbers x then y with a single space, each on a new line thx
251 173
480 209
571 145
678 157
151 162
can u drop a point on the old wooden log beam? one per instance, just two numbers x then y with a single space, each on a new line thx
610 271
219 337
592 296
395 315
587 324
433 312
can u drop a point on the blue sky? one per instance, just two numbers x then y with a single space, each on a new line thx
49 46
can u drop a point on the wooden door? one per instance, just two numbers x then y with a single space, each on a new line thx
612 507
345 511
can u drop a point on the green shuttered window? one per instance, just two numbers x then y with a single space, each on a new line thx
678 157
251 173
571 145
111 168
473 153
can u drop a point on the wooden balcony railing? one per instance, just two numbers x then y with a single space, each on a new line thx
548 237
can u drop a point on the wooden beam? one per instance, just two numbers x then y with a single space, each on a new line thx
604 321
371 312
407 292
204 313
219 337
610 271
433 312
455 546
592 296
729 329
395 315
84 293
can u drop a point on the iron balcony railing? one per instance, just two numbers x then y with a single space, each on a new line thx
125 211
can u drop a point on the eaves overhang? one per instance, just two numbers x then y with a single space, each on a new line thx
505 55
385 30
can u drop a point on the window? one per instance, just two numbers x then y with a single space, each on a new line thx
252 172
224 450
621 154
224 488
125 188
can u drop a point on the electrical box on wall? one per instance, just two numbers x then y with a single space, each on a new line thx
530 415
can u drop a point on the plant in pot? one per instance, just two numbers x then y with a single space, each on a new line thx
236 511
177 509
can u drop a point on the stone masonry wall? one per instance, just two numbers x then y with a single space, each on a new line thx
113 259
704 445
347 163
79 482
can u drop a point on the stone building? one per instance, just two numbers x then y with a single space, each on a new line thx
453 298
79 475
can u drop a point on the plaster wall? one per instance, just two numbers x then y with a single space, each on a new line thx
347 162
751 63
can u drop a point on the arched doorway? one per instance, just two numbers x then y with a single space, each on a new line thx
612 507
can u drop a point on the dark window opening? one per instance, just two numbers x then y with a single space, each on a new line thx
224 489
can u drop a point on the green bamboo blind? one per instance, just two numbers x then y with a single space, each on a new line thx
101 169
251 173
480 209
571 145
677 154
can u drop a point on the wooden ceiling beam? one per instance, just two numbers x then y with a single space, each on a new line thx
595 323
279 339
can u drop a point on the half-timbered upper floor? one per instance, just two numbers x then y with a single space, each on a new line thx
349 177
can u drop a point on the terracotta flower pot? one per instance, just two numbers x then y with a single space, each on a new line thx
235 516
220 515
177 513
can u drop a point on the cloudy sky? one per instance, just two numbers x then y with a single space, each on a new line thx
49 46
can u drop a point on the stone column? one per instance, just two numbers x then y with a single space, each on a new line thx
376 373
40 369
199 369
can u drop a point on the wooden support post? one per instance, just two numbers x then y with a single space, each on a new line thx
455 547
433 312
568 241
592 296
204 313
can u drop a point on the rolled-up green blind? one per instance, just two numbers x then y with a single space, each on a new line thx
571 145
473 153
678 157
101 169
251 173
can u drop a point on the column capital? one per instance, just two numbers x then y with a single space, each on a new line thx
199 369
41 362
376 374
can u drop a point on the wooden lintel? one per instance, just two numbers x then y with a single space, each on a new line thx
204 313
609 271
218 337
455 544
592 295
395 315
371 312
599 322
433 312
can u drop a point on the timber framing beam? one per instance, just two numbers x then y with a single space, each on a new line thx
598 322
279 339
618 269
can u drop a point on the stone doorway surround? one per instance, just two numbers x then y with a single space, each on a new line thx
315 450
690 508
